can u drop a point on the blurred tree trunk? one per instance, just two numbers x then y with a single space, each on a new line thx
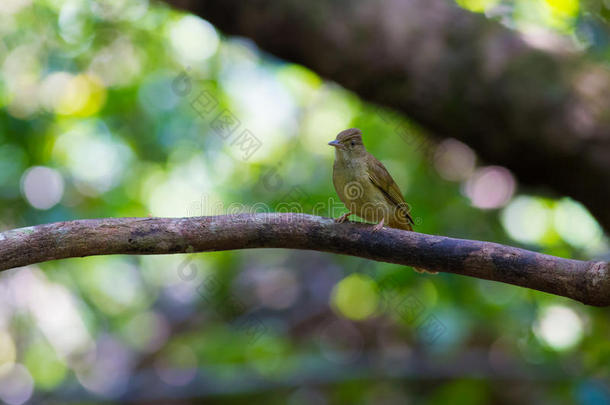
542 114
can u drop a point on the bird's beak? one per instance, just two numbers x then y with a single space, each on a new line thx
336 144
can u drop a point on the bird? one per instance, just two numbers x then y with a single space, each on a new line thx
366 187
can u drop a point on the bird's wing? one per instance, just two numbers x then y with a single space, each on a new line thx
382 179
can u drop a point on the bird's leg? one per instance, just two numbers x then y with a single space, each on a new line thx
378 226
343 217
420 271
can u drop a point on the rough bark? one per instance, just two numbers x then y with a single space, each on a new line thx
587 282
542 114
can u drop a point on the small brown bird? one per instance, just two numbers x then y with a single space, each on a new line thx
365 186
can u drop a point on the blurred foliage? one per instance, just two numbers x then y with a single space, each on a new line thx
124 108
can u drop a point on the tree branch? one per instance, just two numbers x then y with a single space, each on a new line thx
587 282
542 114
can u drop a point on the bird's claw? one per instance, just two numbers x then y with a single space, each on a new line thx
424 271
378 227
343 218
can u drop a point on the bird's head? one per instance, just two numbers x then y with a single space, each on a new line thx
349 143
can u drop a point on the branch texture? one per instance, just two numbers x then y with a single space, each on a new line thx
542 114
587 282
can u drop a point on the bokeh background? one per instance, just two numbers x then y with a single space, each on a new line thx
129 108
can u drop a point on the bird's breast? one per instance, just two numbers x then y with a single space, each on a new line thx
357 191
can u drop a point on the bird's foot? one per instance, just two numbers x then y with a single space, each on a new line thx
378 227
343 218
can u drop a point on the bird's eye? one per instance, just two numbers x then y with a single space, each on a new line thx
353 143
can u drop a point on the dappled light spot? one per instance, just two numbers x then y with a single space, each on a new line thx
546 40
73 96
24 102
182 295
16 386
477 5
43 187
300 81
237 52
567 8
118 64
185 192
46 368
174 271
8 353
558 15
19 76
355 297
146 331
131 10
454 160
262 105
106 370
75 25
576 226
54 309
490 187
53 88
94 158
526 219
114 286
82 95
193 39
330 113
559 327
